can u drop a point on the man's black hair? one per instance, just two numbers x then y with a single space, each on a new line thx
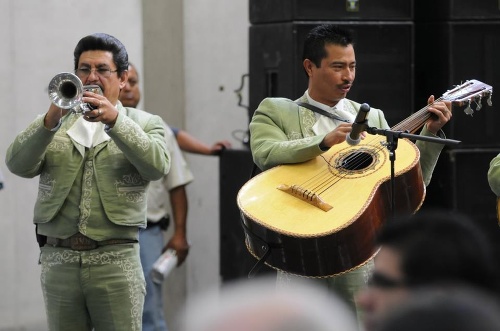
103 42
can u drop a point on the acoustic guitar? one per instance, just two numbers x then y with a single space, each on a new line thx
319 218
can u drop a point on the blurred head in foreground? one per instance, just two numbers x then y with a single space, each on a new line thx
435 247
456 308
258 305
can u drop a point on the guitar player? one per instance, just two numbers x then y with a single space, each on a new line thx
284 132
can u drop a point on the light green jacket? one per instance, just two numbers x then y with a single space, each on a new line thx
124 165
281 133
494 175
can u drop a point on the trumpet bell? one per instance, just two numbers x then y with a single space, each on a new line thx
66 90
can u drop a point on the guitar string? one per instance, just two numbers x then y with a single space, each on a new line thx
325 180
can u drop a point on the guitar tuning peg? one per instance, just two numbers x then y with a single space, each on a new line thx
468 110
490 103
479 105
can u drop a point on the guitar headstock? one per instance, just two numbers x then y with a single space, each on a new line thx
468 92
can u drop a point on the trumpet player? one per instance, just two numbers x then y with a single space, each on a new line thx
94 168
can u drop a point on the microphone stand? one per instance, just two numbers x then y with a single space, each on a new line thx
392 144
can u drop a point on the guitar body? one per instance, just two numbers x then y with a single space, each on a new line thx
326 223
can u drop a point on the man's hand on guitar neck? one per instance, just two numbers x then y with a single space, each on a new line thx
442 112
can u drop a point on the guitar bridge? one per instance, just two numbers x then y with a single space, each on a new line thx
305 195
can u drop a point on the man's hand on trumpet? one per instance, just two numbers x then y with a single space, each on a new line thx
103 110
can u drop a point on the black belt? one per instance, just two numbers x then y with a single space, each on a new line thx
79 242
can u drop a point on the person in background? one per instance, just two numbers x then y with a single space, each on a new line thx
94 170
131 95
435 248
456 308
167 199
282 132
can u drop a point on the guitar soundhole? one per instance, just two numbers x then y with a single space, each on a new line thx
356 161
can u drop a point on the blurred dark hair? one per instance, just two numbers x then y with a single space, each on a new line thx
438 246
439 309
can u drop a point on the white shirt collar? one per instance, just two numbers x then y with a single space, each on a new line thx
339 105
88 134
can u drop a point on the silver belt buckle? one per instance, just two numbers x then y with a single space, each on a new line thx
81 243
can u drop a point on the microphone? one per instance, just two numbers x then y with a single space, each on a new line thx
358 126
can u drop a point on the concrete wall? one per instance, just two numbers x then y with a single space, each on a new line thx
194 56
191 56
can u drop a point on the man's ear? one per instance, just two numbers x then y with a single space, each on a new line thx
308 66
123 79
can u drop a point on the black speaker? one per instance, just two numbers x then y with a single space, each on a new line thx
384 56
235 168
460 183
265 11
450 53
432 10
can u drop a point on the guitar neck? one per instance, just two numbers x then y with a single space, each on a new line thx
470 91
415 121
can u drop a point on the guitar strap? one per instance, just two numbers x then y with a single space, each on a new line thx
321 111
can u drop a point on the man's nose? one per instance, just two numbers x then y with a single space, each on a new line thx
93 77
348 75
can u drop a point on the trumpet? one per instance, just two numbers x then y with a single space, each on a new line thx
66 92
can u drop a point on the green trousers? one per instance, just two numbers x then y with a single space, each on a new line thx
101 289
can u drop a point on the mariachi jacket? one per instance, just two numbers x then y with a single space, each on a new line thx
124 164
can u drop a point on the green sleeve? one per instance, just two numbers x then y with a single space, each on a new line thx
25 155
429 155
144 148
494 175
276 135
